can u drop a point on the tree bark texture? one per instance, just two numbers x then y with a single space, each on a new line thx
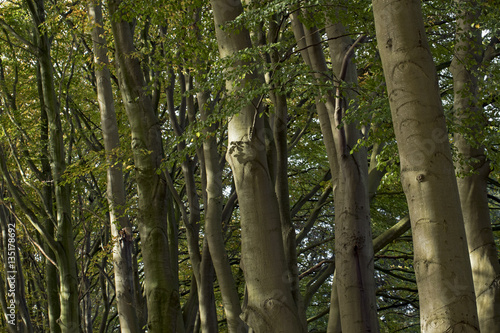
270 307
353 238
442 266
54 307
473 168
353 251
279 130
69 319
161 292
213 224
121 228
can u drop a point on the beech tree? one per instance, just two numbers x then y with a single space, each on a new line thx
222 166
472 166
270 307
160 289
427 173
121 229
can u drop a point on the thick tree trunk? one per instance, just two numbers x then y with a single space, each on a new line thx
161 293
442 266
270 306
473 175
121 228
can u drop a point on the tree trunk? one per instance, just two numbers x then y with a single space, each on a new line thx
442 266
69 319
121 228
54 308
270 306
354 252
161 293
280 129
353 238
473 174
200 262
213 225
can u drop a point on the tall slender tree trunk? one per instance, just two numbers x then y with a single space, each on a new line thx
121 228
270 306
279 128
441 260
161 292
353 238
213 224
473 167
69 319
200 262
54 308
355 286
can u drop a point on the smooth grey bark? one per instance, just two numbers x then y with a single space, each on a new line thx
203 275
207 296
353 238
161 292
190 309
121 228
201 261
69 319
86 302
473 167
105 298
441 260
391 234
354 251
314 58
334 322
279 130
384 239
270 306
139 297
54 308
213 223
308 41
374 174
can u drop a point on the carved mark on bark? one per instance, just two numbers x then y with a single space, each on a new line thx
410 68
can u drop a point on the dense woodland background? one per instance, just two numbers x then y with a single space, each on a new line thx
187 166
